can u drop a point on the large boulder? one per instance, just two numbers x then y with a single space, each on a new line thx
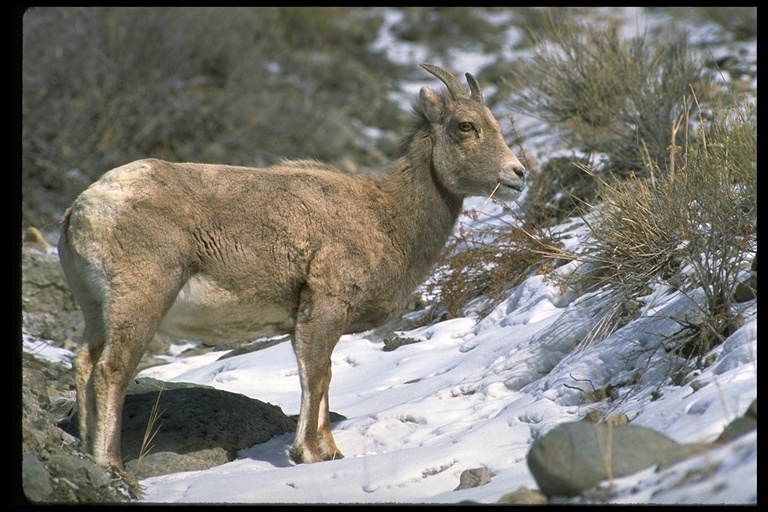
173 427
574 457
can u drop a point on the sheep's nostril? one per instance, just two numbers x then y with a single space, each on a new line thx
520 171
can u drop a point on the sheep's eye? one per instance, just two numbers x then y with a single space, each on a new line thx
466 126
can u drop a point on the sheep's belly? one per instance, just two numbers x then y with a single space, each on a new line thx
205 312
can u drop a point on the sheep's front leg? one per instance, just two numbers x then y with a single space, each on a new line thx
318 328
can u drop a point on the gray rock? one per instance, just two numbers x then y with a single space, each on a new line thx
740 425
76 469
49 309
473 478
393 341
35 478
747 290
574 457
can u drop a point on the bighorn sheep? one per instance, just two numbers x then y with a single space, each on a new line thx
219 253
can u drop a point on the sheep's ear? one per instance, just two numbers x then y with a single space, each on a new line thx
431 104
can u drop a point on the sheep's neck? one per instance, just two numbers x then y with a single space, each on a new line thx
422 212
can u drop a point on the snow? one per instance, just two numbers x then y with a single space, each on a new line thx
44 350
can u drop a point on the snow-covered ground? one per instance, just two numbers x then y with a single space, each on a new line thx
477 392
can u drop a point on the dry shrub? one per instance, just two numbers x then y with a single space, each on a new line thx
604 94
558 190
487 262
692 226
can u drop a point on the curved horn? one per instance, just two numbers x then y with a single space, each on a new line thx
451 82
474 87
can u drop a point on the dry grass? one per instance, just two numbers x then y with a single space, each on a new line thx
150 432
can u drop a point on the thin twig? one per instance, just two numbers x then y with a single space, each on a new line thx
490 196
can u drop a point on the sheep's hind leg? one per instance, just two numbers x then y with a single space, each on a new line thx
131 315
127 339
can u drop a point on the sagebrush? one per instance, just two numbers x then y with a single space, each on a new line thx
691 226
603 94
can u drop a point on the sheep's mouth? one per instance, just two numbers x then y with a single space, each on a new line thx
513 186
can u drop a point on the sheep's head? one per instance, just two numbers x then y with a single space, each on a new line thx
469 154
